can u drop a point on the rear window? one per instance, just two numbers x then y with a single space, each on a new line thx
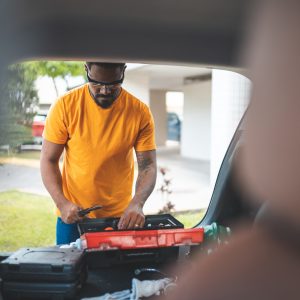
196 111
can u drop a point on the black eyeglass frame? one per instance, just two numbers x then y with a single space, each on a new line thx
102 83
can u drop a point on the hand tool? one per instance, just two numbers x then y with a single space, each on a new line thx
84 212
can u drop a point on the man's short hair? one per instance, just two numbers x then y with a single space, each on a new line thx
105 65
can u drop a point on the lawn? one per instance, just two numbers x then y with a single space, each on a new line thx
26 220
190 218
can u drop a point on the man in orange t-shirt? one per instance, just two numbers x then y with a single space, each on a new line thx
98 125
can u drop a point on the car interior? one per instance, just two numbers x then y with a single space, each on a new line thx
209 34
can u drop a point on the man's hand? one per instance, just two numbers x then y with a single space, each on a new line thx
51 176
69 212
133 217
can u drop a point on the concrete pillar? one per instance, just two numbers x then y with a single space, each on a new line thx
195 133
138 85
230 97
159 111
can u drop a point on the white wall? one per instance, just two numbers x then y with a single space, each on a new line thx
196 129
230 97
159 111
138 85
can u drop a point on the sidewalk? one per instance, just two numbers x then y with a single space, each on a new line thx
189 180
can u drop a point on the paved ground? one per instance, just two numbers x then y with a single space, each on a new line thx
189 180
20 177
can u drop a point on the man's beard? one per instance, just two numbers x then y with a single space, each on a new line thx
104 101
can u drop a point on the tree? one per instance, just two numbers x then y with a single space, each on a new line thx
22 94
59 69
21 102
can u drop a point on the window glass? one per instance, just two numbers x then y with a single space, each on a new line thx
196 111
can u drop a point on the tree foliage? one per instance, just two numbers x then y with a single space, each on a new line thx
59 69
21 102
21 96
22 93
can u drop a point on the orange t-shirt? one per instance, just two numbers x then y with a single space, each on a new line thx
98 163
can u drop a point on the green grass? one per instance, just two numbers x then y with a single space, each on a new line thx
26 220
190 218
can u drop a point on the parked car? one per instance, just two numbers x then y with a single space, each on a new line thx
38 125
174 127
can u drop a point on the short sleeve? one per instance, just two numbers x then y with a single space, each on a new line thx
146 137
55 130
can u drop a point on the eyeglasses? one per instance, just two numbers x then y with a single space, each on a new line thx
107 85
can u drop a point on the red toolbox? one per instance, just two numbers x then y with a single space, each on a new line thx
161 241
138 239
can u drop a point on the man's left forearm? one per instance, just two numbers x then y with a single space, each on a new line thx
145 183
133 217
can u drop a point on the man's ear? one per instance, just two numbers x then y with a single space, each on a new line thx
86 68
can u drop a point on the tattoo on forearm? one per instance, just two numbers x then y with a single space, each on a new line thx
146 177
143 163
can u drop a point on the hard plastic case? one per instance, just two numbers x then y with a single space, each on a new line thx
132 239
158 242
137 257
51 264
15 290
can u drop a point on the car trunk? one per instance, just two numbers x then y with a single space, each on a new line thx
112 259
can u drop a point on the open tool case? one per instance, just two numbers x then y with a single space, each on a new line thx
165 221
158 242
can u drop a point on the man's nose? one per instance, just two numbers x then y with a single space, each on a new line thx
105 90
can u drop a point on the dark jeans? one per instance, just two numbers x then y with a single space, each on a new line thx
66 233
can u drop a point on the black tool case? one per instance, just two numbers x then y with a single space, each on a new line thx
112 258
15 290
165 221
43 273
